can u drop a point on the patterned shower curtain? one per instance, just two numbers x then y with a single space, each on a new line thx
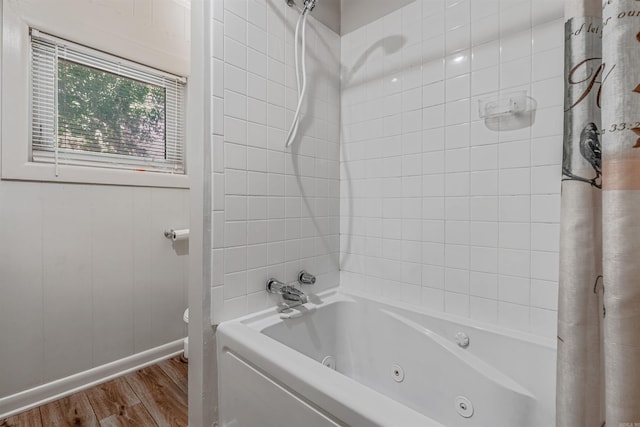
599 301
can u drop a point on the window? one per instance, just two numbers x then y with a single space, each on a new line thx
89 108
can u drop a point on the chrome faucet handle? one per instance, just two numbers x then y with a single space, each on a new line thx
274 286
305 278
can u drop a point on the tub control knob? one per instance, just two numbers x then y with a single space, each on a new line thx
462 340
305 278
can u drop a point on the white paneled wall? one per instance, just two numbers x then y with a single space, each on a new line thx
87 277
152 32
275 210
436 209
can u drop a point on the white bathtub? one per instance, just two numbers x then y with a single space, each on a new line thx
394 367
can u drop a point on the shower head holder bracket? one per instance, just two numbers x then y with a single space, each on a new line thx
308 4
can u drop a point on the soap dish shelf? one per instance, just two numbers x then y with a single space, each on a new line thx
508 111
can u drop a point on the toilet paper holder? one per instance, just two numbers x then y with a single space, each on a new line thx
176 234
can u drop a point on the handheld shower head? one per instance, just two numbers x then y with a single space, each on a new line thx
309 4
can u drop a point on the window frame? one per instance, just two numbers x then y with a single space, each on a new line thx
15 147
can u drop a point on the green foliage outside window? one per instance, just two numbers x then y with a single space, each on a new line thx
103 112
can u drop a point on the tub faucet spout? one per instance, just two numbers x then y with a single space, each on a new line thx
293 294
288 292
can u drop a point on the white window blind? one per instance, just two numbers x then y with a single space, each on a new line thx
89 108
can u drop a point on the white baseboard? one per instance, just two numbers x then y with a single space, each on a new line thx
54 390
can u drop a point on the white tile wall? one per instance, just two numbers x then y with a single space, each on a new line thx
436 208
276 210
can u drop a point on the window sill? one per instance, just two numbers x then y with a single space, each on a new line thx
91 175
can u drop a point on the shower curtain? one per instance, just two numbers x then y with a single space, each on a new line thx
599 296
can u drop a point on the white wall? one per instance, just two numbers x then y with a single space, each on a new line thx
356 13
153 32
328 12
86 275
436 209
203 383
274 212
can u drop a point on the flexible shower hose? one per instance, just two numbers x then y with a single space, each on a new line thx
301 80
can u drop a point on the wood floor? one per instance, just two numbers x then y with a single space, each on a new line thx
155 396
